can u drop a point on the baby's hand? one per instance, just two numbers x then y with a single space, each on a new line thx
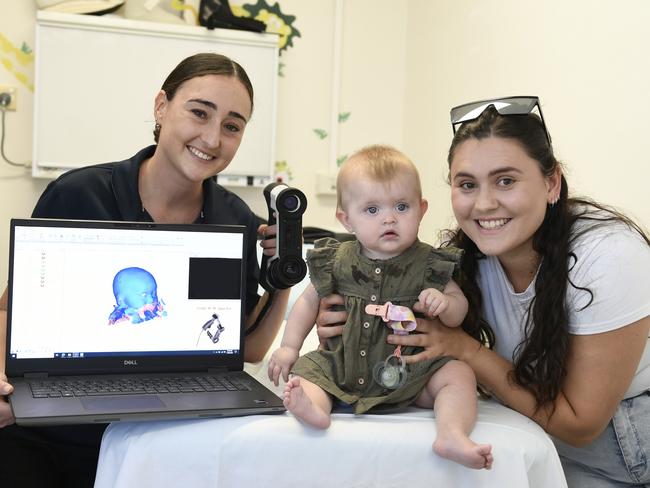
433 302
281 361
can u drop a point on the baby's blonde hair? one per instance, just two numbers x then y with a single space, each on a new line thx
380 163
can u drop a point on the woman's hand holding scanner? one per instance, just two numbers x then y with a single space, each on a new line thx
281 361
267 243
6 416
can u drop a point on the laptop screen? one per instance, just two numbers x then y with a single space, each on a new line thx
83 290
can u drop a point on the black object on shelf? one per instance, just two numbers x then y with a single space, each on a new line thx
217 14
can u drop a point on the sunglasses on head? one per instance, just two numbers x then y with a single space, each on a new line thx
505 106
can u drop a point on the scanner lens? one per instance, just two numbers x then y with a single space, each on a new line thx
291 203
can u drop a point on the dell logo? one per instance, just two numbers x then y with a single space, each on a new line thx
130 362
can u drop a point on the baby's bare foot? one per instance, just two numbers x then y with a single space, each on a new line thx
301 406
464 451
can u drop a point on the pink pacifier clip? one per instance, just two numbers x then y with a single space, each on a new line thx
397 317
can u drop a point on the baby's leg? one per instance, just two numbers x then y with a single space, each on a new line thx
308 402
452 393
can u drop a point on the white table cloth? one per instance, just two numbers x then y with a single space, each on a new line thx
357 451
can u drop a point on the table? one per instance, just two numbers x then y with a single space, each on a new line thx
356 451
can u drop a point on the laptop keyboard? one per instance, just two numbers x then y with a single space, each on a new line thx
134 386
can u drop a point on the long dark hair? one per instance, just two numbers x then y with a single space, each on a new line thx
203 64
540 359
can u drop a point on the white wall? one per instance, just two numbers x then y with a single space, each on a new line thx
585 59
373 36
404 64
18 190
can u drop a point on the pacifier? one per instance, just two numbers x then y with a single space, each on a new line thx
391 373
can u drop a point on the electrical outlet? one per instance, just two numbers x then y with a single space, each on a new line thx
9 91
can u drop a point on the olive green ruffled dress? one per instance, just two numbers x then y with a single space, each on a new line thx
344 368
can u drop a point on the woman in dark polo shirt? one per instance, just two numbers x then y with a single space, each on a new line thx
201 114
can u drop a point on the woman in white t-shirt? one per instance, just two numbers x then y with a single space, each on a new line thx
561 281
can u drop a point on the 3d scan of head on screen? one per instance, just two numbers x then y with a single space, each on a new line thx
136 296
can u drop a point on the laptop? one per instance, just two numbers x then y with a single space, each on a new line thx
116 321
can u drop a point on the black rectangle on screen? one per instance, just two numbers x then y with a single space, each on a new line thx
214 278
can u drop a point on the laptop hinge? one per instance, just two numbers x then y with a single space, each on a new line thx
217 370
36 374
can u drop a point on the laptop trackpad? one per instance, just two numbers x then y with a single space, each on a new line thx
119 403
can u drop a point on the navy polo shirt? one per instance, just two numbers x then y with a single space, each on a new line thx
109 191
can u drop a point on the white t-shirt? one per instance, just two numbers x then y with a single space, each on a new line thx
613 262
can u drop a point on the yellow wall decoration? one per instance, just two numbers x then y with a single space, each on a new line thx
17 61
276 21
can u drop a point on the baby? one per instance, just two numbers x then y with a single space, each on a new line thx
381 273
